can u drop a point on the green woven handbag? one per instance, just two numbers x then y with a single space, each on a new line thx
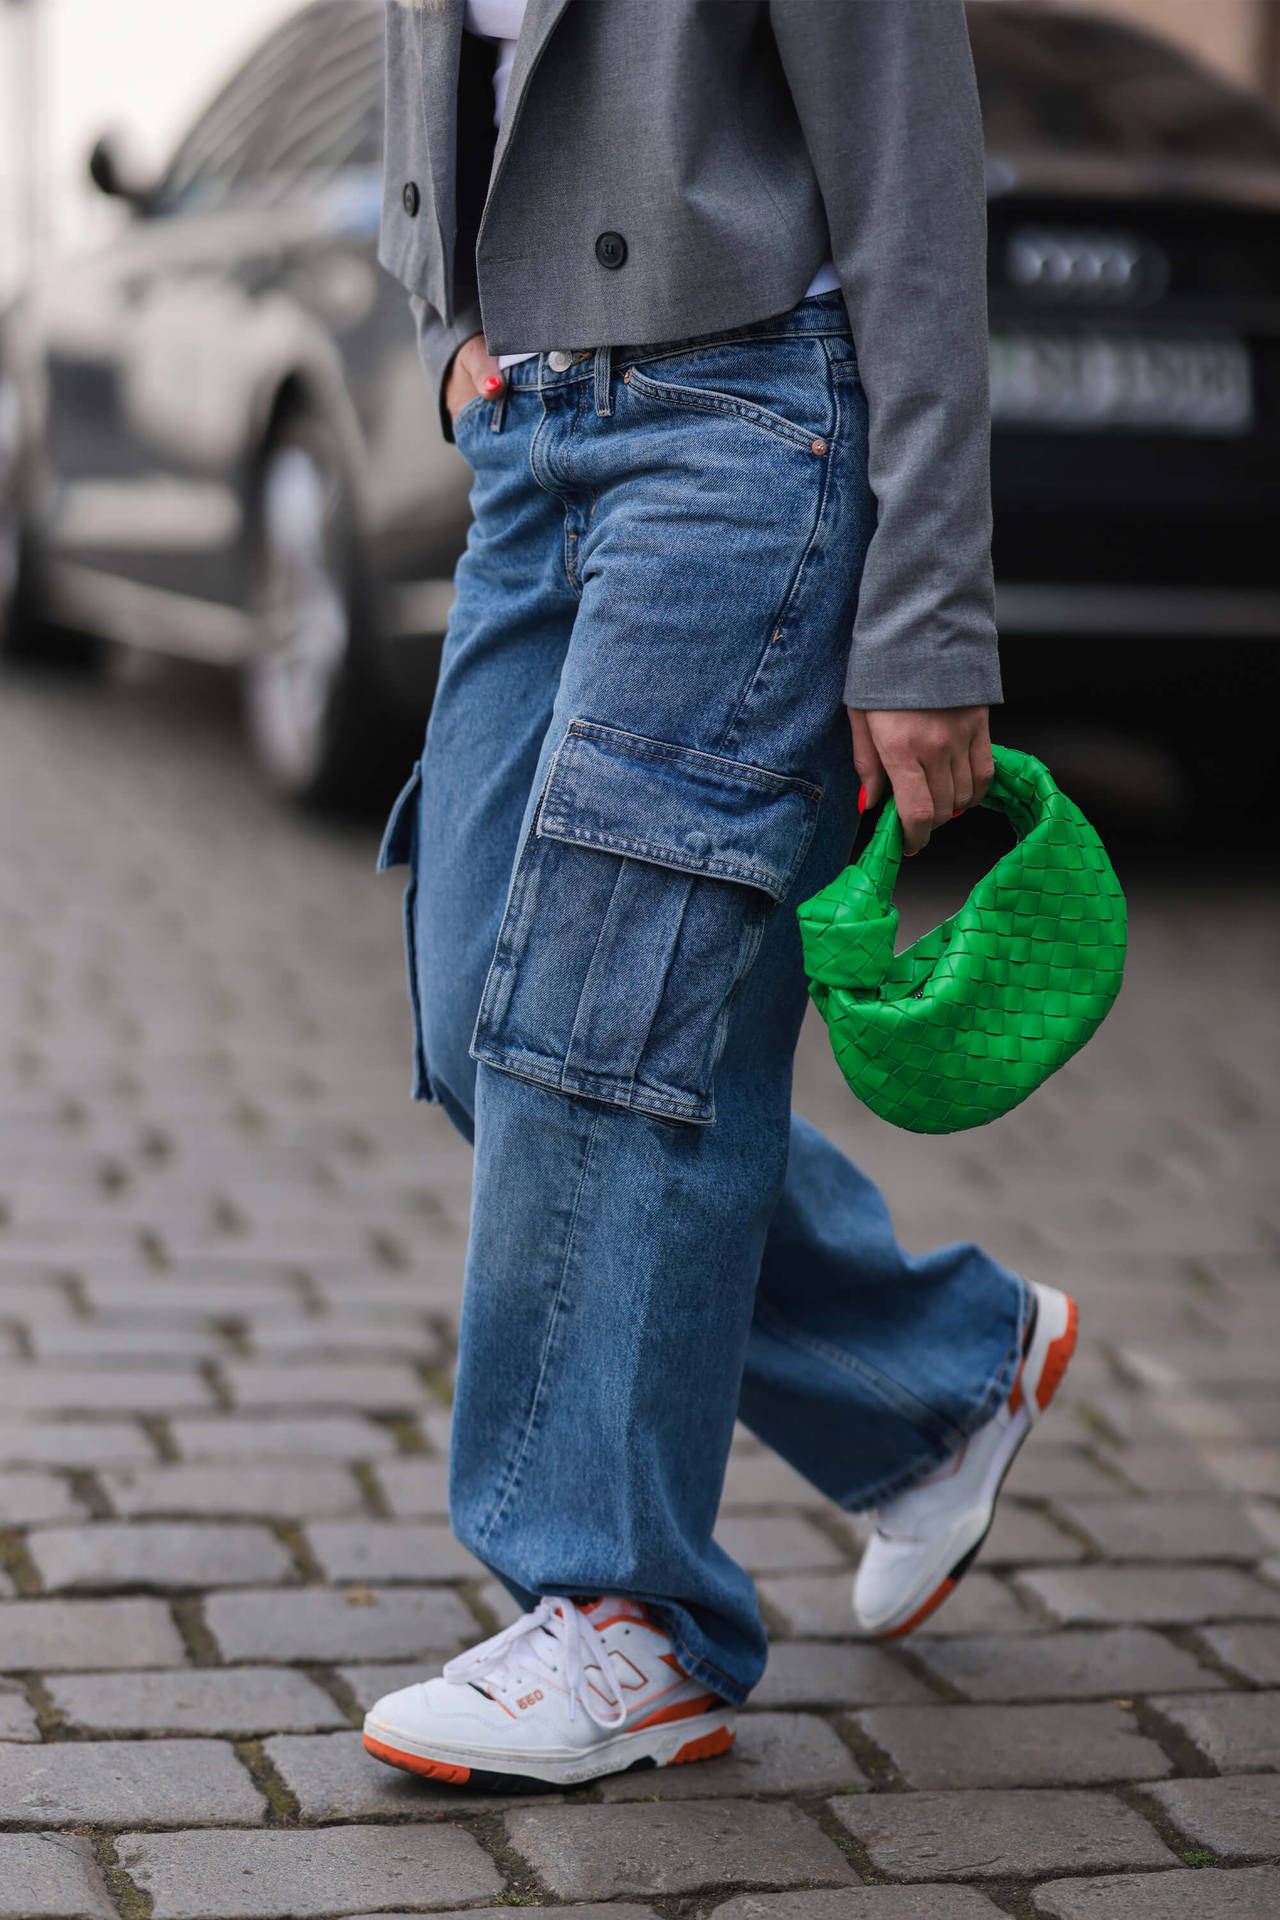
966 1023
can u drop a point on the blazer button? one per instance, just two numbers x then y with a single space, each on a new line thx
410 197
611 249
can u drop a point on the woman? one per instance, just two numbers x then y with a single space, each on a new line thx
701 287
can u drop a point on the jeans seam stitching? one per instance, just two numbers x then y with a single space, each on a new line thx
776 625
641 747
694 401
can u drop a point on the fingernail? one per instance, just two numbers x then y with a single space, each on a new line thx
957 813
910 853
492 383
862 799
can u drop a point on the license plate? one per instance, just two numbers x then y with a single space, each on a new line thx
1092 382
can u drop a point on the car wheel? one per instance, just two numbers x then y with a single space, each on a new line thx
25 634
322 725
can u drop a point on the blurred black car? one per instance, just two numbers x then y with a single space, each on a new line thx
215 437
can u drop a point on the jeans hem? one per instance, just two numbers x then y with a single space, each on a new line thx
998 1388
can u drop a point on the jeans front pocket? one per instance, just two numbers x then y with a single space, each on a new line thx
400 848
636 910
781 385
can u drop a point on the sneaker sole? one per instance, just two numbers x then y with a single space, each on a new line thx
1056 1359
702 1738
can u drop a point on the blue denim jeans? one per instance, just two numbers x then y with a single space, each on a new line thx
636 765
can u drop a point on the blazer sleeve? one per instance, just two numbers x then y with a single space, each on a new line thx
888 104
438 341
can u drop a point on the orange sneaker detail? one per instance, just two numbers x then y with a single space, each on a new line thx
682 1710
935 1599
414 1763
706 1748
1058 1358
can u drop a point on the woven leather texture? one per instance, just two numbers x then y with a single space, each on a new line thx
957 1029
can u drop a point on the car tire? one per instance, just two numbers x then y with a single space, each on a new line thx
27 636
324 729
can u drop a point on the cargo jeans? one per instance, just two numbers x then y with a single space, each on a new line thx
636 765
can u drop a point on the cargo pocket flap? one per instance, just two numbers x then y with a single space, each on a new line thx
676 807
397 841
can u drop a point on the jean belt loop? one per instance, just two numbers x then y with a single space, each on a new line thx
604 378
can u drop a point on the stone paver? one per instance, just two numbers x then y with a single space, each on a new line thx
773 1753
593 1853
288 1490
329 1436
17 1718
1171 1529
72 1443
1251 1893
1253 1649
816 1673
30 1499
360 1623
376 1386
994 1835
1239 1817
1156 1596
860 1903
68 1634
390 1550
114 1783
240 1701
777 1542
1081 1665
54 1389
51 1876
369 1682
328 1871
415 1487
1237 1731
1013 1746
157 1553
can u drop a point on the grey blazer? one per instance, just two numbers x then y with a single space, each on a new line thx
733 145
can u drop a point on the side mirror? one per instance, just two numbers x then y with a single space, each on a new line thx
110 177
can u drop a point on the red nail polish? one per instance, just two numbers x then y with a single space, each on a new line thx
957 813
862 799
492 383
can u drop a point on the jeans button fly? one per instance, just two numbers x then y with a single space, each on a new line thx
559 362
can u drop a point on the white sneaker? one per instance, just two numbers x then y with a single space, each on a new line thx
927 1538
573 1690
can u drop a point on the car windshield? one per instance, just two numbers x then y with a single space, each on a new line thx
306 105
1081 82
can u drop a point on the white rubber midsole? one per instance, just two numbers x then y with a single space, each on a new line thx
1053 1312
612 1753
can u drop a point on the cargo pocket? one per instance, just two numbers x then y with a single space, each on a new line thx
636 909
400 848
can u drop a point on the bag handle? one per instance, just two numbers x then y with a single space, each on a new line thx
1020 789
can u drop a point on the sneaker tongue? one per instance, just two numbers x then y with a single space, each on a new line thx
610 1606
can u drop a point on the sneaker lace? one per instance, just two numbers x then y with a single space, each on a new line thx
555 1634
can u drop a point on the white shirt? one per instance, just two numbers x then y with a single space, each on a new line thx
501 20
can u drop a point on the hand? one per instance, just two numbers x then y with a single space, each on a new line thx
470 368
936 759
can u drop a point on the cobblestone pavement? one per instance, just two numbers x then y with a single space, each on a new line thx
229 1263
